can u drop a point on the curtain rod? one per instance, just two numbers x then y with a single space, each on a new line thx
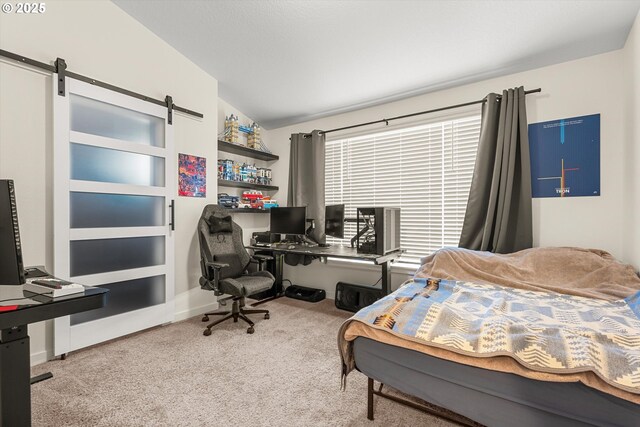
60 68
405 116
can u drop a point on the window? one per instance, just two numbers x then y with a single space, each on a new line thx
425 170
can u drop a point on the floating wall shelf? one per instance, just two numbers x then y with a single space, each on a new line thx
247 210
241 150
238 184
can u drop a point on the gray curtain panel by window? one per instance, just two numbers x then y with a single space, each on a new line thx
306 178
498 216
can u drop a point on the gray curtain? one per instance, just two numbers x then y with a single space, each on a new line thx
306 178
498 216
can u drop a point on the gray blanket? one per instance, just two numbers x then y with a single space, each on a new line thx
574 271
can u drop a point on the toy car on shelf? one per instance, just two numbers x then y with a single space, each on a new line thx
268 204
252 195
228 201
257 204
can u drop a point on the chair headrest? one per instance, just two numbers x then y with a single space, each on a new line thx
220 223
213 209
217 218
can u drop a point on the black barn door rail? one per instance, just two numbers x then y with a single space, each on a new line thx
60 68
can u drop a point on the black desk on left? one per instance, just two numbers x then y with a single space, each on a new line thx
18 308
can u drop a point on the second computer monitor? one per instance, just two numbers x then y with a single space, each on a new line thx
291 220
334 221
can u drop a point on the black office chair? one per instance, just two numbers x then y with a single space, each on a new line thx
225 263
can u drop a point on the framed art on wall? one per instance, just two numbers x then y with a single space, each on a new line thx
565 157
192 176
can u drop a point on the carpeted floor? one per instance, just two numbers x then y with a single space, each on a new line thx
286 374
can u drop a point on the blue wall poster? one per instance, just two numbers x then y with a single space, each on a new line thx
565 157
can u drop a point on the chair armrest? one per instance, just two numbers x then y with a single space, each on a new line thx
260 260
206 279
216 265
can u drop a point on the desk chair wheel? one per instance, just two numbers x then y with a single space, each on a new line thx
250 330
266 316
205 319
206 332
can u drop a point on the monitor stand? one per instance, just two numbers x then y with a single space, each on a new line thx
307 241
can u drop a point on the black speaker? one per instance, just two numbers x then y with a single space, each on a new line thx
11 266
354 297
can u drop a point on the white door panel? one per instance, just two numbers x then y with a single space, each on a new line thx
113 184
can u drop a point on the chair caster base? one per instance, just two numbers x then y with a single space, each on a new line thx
206 332
266 316
250 330
205 319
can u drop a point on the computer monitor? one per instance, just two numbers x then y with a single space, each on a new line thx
334 221
11 266
292 220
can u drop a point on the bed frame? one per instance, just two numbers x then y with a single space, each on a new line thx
432 409
453 391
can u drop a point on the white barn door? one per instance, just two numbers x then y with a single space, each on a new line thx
114 168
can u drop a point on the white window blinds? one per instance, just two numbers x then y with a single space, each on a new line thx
425 170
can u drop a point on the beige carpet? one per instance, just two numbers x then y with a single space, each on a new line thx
286 374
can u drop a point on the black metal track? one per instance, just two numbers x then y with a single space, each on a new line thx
28 61
52 69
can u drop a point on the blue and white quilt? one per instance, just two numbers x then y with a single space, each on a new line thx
543 331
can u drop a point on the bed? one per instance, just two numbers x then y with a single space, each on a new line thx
584 300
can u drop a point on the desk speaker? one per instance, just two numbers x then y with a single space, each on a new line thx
354 297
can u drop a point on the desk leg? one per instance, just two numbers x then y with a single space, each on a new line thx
41 377
15 386
386 278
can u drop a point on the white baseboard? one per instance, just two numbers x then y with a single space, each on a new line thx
40 357
194 311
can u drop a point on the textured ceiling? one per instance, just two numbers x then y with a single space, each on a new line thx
282 62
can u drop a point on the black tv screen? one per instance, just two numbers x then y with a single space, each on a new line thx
334 221
291 220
